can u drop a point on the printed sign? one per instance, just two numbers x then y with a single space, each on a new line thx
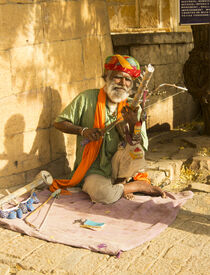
194 11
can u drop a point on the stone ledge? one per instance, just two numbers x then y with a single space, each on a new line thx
128 39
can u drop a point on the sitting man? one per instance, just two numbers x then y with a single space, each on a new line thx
86 116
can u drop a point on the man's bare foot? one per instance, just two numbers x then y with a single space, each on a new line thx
143 187
129 196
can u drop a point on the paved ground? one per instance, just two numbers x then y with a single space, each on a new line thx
183 248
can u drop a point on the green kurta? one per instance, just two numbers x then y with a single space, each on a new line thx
81 111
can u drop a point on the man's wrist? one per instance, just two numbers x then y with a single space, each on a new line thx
82 131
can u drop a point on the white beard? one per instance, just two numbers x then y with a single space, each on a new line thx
117 93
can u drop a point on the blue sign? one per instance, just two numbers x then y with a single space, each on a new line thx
194 12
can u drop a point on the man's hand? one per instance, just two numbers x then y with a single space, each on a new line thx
92 134
130 116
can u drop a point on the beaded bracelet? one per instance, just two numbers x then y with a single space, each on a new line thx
82 132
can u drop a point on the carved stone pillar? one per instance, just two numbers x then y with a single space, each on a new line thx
197 71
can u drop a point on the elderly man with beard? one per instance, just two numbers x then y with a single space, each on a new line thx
85 116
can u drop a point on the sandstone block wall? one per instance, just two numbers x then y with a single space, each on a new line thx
50 50
144 16
167 52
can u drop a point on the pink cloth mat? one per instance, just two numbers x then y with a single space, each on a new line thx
128 224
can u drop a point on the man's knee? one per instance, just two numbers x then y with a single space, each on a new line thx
100 189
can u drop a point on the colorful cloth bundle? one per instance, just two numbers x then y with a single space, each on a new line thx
22 208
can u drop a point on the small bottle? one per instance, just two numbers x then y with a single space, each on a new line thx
136 150
137 128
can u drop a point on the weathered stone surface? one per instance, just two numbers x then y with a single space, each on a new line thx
81 258
106 48
202 143
149 54
4 269
25 1
171 152
148 14
189 48
200 162
183 52
8 260
11 180
43 259
65 63
184 252
182 102
23 24
62 20
26 151
165 116
92 62
14 248
156 177
28 272
58 145
28 67
170 73
196 265
25 112
168 53
5 75
201 203
200 187
7 235
151 38
101 22
63 94
63 145
58 168
164 171
122 16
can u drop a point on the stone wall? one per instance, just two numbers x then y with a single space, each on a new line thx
50 50
128 16
167 52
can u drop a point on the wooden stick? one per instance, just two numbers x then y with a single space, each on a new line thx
142 87
53 195
14 200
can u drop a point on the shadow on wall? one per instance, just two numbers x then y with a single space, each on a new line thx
185 109
13 143
21 161
48 143
14 156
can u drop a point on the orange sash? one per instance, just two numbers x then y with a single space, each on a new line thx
91 149
141 177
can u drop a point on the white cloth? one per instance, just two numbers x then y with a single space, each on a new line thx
124 165
101 189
